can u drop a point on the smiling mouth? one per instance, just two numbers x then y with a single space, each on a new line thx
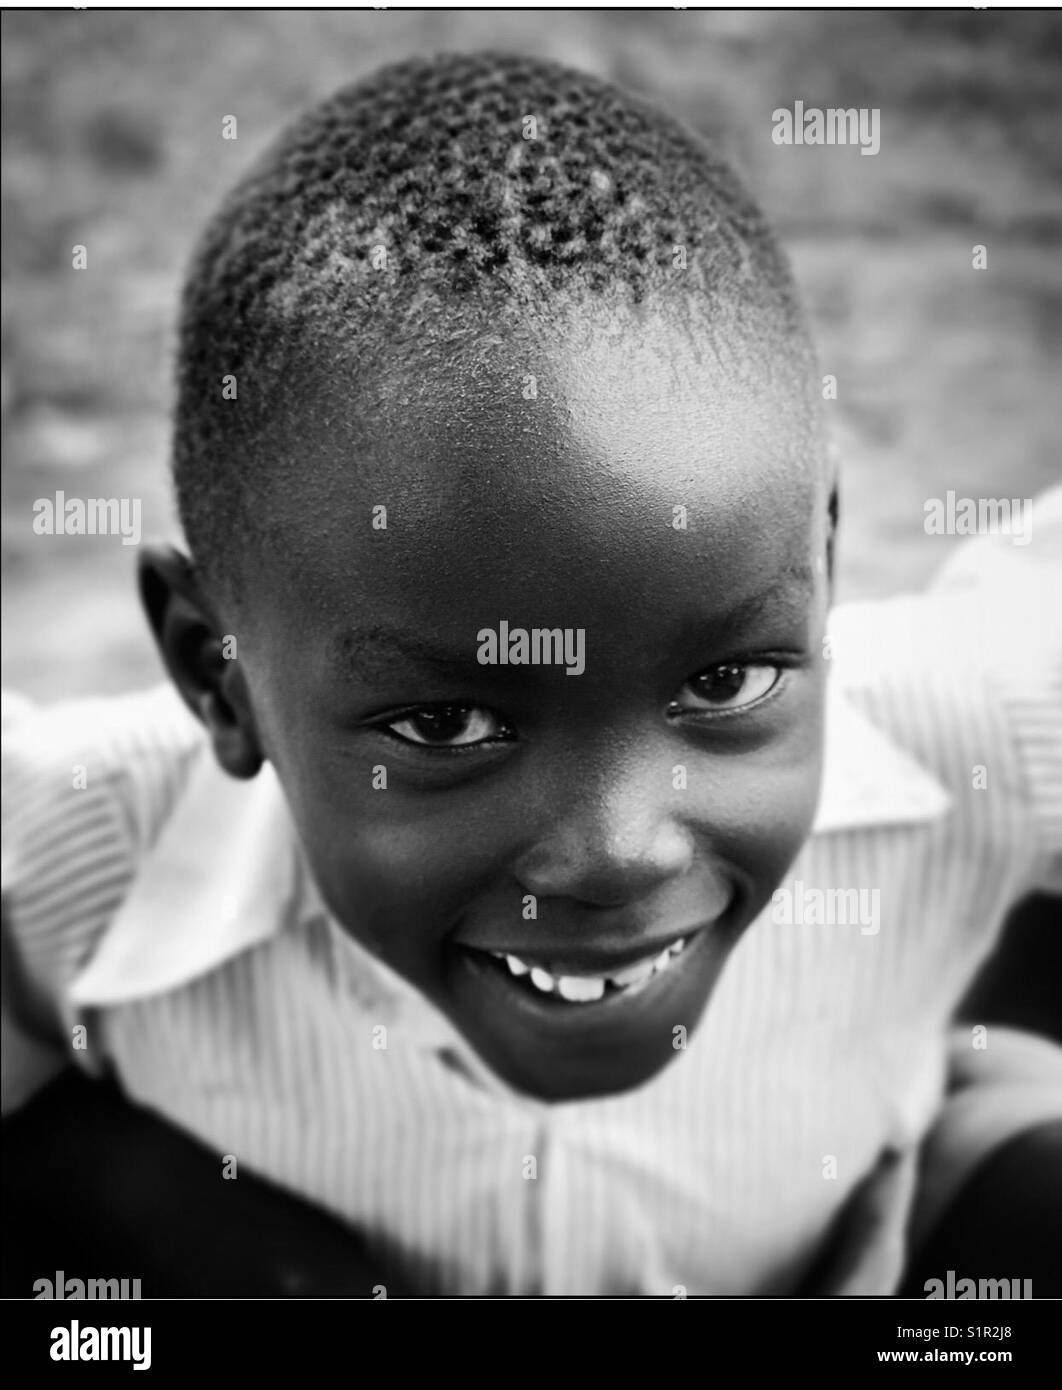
586 988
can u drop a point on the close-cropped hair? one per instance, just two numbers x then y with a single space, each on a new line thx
435 196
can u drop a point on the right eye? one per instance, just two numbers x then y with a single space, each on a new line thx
732 686
448 726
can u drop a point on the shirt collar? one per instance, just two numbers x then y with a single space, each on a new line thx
867 779
222 876
227 872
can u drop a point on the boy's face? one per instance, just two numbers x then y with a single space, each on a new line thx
646 785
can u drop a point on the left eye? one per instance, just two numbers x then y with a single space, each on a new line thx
447 726
727 687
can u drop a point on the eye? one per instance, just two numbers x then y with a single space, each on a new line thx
448 726
731 686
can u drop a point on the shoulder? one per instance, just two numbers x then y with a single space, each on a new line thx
127 749
87 787
967 678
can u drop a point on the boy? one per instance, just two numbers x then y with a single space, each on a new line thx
499 457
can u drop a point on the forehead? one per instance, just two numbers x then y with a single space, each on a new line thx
526 459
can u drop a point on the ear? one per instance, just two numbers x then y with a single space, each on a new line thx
834 461
194 650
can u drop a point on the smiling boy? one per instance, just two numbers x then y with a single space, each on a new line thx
432 940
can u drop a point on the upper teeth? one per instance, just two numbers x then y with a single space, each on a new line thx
584 989
580 991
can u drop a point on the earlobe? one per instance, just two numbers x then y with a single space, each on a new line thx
195 653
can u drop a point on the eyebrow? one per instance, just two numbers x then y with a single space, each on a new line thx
375 653
795 582
378 652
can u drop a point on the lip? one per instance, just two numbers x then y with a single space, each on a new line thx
566 959
547 1010
558 1049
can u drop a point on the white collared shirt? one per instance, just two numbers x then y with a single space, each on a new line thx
166 909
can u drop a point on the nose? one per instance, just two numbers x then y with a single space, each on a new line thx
610 847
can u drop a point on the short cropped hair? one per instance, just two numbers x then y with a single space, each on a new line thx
432 192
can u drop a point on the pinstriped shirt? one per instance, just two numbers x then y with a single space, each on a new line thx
167 909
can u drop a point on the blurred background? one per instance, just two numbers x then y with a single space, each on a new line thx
948 377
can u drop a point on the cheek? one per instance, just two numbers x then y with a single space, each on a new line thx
784 815
770 800
394 871
785 819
